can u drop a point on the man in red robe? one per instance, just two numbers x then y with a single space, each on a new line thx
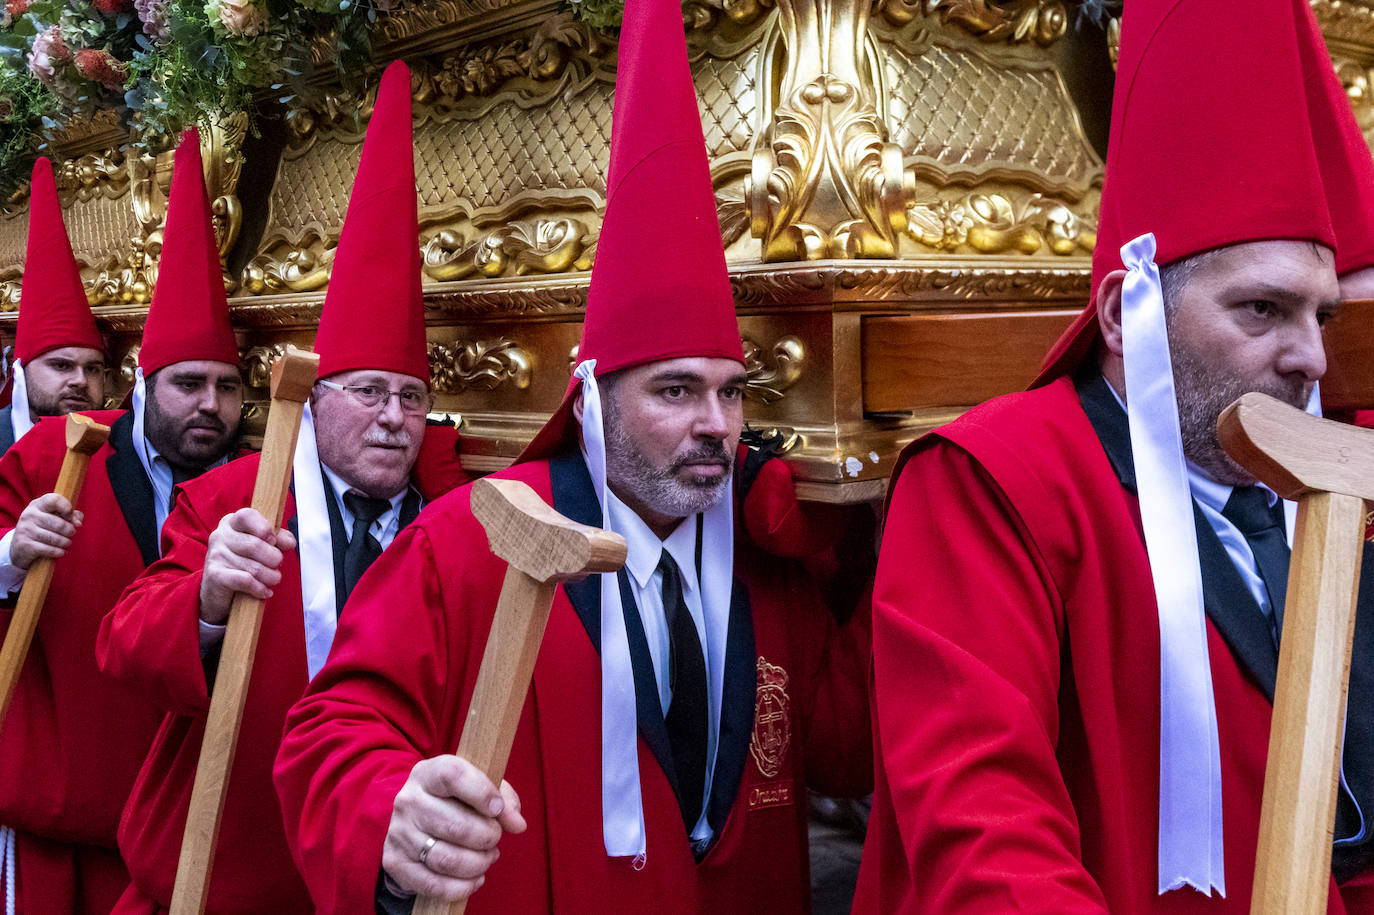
73 740
680 709
357 480
1028 724
59 356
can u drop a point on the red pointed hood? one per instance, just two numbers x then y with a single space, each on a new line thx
53 310
189 316
1216 139
648 302
374 316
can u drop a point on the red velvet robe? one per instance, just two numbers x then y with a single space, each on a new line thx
397 684
151 640
73 740
1016 684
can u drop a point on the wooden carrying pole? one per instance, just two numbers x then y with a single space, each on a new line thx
542 548
1328 468
84 438
292 378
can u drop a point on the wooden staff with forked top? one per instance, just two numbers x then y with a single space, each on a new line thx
542 548
292 378
1328 468
84 438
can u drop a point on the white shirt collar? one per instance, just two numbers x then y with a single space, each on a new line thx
645 549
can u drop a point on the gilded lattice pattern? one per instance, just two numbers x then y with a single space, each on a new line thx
728 97
493 154
1024 125
311 192
13 232
100 228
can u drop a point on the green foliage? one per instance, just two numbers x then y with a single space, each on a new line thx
604 14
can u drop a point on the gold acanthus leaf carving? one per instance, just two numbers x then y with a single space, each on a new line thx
1012 21
128 366
479 365
995 224
257 363
824 182
104 172
529 246
9 296
304 269
768 383
131 284
484 70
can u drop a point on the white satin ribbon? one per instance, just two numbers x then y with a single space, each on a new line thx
7 862
20 419
622 802
1190 813
315 546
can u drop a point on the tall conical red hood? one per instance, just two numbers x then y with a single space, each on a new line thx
659 289
1212 139
53 310
189 316
374 315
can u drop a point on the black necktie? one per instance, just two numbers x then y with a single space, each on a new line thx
1248 509
363 548
179 475
687 710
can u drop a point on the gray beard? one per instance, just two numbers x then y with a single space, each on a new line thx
659 489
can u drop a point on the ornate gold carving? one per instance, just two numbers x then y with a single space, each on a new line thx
221 145
825 182
479 365
768 383
788 438
529 246
1012 21
131 284
415 20
128 366
1114 40
102 173
971 281
299 269
1345 21
256 364
9 295
994 224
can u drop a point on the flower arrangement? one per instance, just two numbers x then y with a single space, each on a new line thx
161 64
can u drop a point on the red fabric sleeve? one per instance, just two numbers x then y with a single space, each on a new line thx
966 677
151 639
22 479
351 741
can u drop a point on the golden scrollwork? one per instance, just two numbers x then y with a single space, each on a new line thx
824 180
104 173
485 69
221 149
524 247
995 223
298 269
132 283
416 20
1012 21
768 380
1114 40
9 295
256 364
479 365
128 366
961 279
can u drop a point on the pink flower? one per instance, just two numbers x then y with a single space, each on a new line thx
48 53
100 66
17 7
111 7
154 15
241 17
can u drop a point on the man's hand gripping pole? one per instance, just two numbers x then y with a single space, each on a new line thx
84 438
543 548
1328 467
292 378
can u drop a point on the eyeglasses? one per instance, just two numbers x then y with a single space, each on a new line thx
372 396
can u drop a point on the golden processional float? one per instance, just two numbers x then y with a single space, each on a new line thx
907 194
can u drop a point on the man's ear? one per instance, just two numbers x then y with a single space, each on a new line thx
1109 310
577 406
